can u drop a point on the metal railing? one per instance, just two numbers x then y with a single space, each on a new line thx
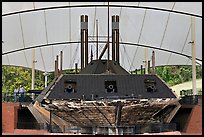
26 97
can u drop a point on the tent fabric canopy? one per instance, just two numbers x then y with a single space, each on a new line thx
51 27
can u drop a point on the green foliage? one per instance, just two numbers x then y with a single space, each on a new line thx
15 76
173 75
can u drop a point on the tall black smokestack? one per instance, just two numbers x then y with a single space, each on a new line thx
86 41
117 39
113 36
82 41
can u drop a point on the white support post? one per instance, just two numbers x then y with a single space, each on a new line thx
33 68
46 74
193 55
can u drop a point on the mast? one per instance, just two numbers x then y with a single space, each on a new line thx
108 41
96 39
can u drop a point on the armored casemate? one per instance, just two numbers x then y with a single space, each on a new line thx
103 96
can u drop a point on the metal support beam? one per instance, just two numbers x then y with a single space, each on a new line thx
193 55
118 113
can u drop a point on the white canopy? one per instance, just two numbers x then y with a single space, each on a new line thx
50 27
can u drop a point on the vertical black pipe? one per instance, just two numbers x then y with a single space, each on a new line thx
148 66
86 42
117 41
57 70
55 73
113 38
76 68
108 42
141 69
153 63
60 62
97 39
82 43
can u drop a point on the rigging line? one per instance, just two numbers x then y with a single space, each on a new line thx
128 57
23 38
138 39
76 50
166 26
186 38
94 21
46 41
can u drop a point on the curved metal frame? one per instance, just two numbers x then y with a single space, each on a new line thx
125 43
127 6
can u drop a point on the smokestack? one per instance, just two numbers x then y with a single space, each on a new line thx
113 36
97 39
60 62
76 68
55 73
82 41
141 69
57 70
86 41
117 39
148 66
153 62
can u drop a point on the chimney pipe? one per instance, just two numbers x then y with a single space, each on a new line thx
153 63
76 68
55 73
141 69
57 70
82 41
113 37
117 40
60 62
86 41
148 66
97 39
